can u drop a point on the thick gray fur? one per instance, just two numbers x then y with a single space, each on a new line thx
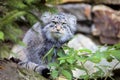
39 40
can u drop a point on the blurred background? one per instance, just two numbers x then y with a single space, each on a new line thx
98 22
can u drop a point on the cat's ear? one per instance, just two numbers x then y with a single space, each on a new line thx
72 20
46 17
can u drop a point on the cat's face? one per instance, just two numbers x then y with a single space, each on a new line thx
60 27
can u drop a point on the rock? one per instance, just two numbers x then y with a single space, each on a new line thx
81 41
65 1
115 2
83 28
18 52
106 24
109 40
6 68
89 66
81 11
9 70
61 78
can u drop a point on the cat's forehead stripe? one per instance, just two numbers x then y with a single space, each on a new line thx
59 17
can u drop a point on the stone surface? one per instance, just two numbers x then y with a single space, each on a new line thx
83 28
106 24
115 2
8 70
81 11
81 41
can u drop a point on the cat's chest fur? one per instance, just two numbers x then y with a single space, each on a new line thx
47 46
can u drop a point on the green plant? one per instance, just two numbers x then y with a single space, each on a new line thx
71 59
14 14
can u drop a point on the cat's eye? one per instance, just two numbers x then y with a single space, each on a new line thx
54 22
63 23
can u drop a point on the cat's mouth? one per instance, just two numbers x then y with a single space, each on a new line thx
57 34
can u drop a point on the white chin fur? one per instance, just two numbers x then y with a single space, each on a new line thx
62 38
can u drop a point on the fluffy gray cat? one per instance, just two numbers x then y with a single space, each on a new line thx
56 30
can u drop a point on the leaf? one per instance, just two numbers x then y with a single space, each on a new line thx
99 73
62 61
82 59
54 74
67 74
18 4
53 2
31 18
67 48
49 52
85 50
70 60
116 54
4 52
109 58
85 77
29 1
21 43
117 46
53 64
61 53
11 16
12 32
96 58
63 58
1 35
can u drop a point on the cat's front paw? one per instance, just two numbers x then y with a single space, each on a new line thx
46 73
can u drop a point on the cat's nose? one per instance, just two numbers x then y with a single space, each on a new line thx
58 27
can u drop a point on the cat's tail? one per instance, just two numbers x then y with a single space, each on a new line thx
42 69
